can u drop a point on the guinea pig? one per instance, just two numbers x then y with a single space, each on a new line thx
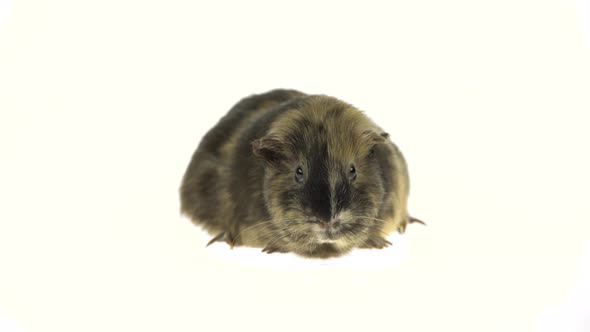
291 172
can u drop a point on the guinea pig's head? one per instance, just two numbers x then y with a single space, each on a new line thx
324 183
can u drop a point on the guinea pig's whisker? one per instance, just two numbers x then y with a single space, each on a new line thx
272 233
352 236
272 228
280 237
365 225
369 218
310 244
379 231
267 223
299 238
372 227
348 238
354 241
290 229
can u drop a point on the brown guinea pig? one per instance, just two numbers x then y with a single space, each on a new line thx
291 172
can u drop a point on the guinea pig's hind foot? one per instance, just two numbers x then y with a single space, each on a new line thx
416 220
221 237
375 243
411 220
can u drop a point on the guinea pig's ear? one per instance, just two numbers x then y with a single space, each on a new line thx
269 148
373 138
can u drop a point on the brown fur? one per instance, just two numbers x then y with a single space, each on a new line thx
242 184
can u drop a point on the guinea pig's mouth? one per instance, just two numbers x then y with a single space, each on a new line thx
329 236
328 239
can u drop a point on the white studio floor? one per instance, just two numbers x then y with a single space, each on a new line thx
102 105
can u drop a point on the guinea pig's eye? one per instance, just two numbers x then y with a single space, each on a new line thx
352 172
299 174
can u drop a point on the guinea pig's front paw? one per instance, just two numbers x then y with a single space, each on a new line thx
375 243
272 249
222 237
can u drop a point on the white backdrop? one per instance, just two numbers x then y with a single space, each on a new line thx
102 104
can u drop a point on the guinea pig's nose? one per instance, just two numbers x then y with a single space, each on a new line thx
332 223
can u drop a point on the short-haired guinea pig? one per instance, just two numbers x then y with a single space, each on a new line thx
291 172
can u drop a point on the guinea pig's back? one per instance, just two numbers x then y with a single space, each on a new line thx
205 190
